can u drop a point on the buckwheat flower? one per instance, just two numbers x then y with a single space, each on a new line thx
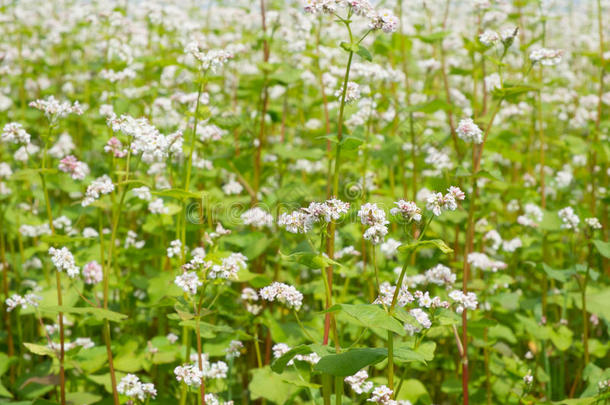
257 217
70 164
346 251
358 382
63 147
89 232
283 293
351 94
333 209
143 193
172 337
495 238
376 233
115 147
512 245
361 7
532 216
131 386
92 272
101 185
528 379
229 267
232 187
131 240
157 207
296 222
438 202
593 223
464 301
17 300
13 132
468 131
234 349
386 294
408 209
249 294
55 109
25 152
370 214
456 193
63 260
546 57
440 275
569 218
489 37
208 133
484 262
174 249
279 350
493 81
384 20
5 170
189 282
381 395
390 247
210 60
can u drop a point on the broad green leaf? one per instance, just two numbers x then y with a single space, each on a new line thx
40 349
423 353
271 386
371 316
364 53
602 247
97 313
350 362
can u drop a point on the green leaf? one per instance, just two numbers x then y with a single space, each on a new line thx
561 338
266 384
311 260
350 362
97 313
40 349
178 194
423 353
437 243
364 53
602 247
82 398
279 364
371 316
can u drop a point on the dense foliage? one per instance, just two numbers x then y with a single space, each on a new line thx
333 201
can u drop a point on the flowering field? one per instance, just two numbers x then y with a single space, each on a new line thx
319 202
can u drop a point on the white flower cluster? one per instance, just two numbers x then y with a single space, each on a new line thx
437 202
157 206
229 267
465 301
484 262
440 275
13 132
85 343
546 57
301 221
284 293
593 223
212 132
131 386
378 19
374 217
280 349
92 272
386 293
147 140
351 94
115 147
17 300
358 382
63 260
70 164
531 217
569 218
506 36
189 282
249 297
55 109
234 349
189 374
132 240
33 231
468 131
408 209
211 59
257 217
101 185
174 249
